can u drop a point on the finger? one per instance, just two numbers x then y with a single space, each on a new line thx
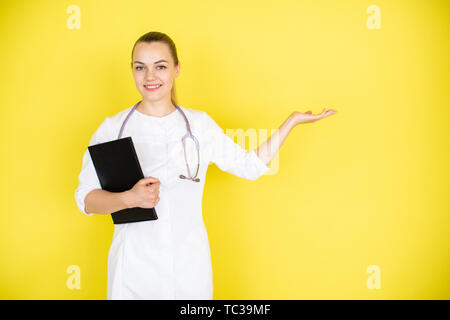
319 115
148 180
154 185
153 179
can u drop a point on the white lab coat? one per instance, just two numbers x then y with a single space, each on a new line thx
168 258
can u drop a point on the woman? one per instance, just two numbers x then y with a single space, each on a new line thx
167 258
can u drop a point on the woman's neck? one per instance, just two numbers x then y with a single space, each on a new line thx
156 108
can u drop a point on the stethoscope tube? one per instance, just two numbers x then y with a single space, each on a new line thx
183 140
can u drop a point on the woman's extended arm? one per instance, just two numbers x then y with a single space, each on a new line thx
270 147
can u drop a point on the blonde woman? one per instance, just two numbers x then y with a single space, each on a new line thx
167 258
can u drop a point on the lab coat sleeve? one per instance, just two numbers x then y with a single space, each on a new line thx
88 179
230 156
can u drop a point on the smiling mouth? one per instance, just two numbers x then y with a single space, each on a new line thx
152 87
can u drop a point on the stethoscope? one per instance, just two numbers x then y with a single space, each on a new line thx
187 135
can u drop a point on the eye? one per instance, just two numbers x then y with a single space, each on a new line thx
162 66
138 67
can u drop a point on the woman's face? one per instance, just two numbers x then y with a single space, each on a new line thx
153 65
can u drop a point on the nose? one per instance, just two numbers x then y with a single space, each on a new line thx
149 75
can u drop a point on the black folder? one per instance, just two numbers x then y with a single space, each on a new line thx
118 169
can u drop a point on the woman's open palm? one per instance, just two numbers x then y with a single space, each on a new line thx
306 117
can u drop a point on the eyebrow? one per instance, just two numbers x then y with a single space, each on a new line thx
153 62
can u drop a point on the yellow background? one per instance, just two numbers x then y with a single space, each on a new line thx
366 186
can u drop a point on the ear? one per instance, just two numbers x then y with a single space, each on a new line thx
177 69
